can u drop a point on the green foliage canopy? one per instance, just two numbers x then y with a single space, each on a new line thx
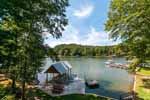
22 27
93 51
129 20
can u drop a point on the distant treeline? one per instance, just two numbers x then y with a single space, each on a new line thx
94 51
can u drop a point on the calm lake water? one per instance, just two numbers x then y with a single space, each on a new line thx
113 82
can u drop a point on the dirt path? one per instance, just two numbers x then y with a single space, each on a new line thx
135 79
134 84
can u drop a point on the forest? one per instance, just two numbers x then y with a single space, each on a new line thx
90 51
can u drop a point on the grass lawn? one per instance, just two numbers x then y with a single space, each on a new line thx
5 94
44 96
144 71
143 88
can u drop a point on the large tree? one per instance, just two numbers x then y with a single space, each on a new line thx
129 20
29 20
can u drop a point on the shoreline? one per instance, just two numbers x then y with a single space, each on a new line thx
90 56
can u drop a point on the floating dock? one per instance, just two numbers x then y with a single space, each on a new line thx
115 65
92 83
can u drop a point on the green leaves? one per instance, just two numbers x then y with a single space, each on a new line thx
92 51
123 19
44 14
22 23
128 20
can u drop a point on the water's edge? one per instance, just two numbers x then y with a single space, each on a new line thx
113 82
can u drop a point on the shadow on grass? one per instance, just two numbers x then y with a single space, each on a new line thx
43 96
146 83
34 93
136 97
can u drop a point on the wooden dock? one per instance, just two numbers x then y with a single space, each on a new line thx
128 96
121 66
77 86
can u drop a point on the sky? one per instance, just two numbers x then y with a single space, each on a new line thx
86 24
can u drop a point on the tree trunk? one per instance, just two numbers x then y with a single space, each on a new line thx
24 70
13 85
24 78
23 90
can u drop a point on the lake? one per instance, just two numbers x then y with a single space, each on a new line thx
113 82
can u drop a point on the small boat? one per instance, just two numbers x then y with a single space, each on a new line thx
92 83
109 62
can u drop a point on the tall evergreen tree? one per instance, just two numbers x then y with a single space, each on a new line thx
29 19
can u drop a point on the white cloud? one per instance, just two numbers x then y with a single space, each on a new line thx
83 11
93 37
72 35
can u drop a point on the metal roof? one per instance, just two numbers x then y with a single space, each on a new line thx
61 66
66 64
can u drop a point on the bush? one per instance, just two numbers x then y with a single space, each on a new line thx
8 97
4 91
135 64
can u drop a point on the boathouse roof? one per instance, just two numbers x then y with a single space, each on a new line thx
60 67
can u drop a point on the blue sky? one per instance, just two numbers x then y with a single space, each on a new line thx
86 24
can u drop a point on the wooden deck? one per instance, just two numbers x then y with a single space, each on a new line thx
128 96
77 86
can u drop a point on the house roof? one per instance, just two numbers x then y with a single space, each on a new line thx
60 67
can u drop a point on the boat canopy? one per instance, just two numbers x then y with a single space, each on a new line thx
61 67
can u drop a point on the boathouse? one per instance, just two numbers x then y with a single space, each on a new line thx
61 68
63 81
